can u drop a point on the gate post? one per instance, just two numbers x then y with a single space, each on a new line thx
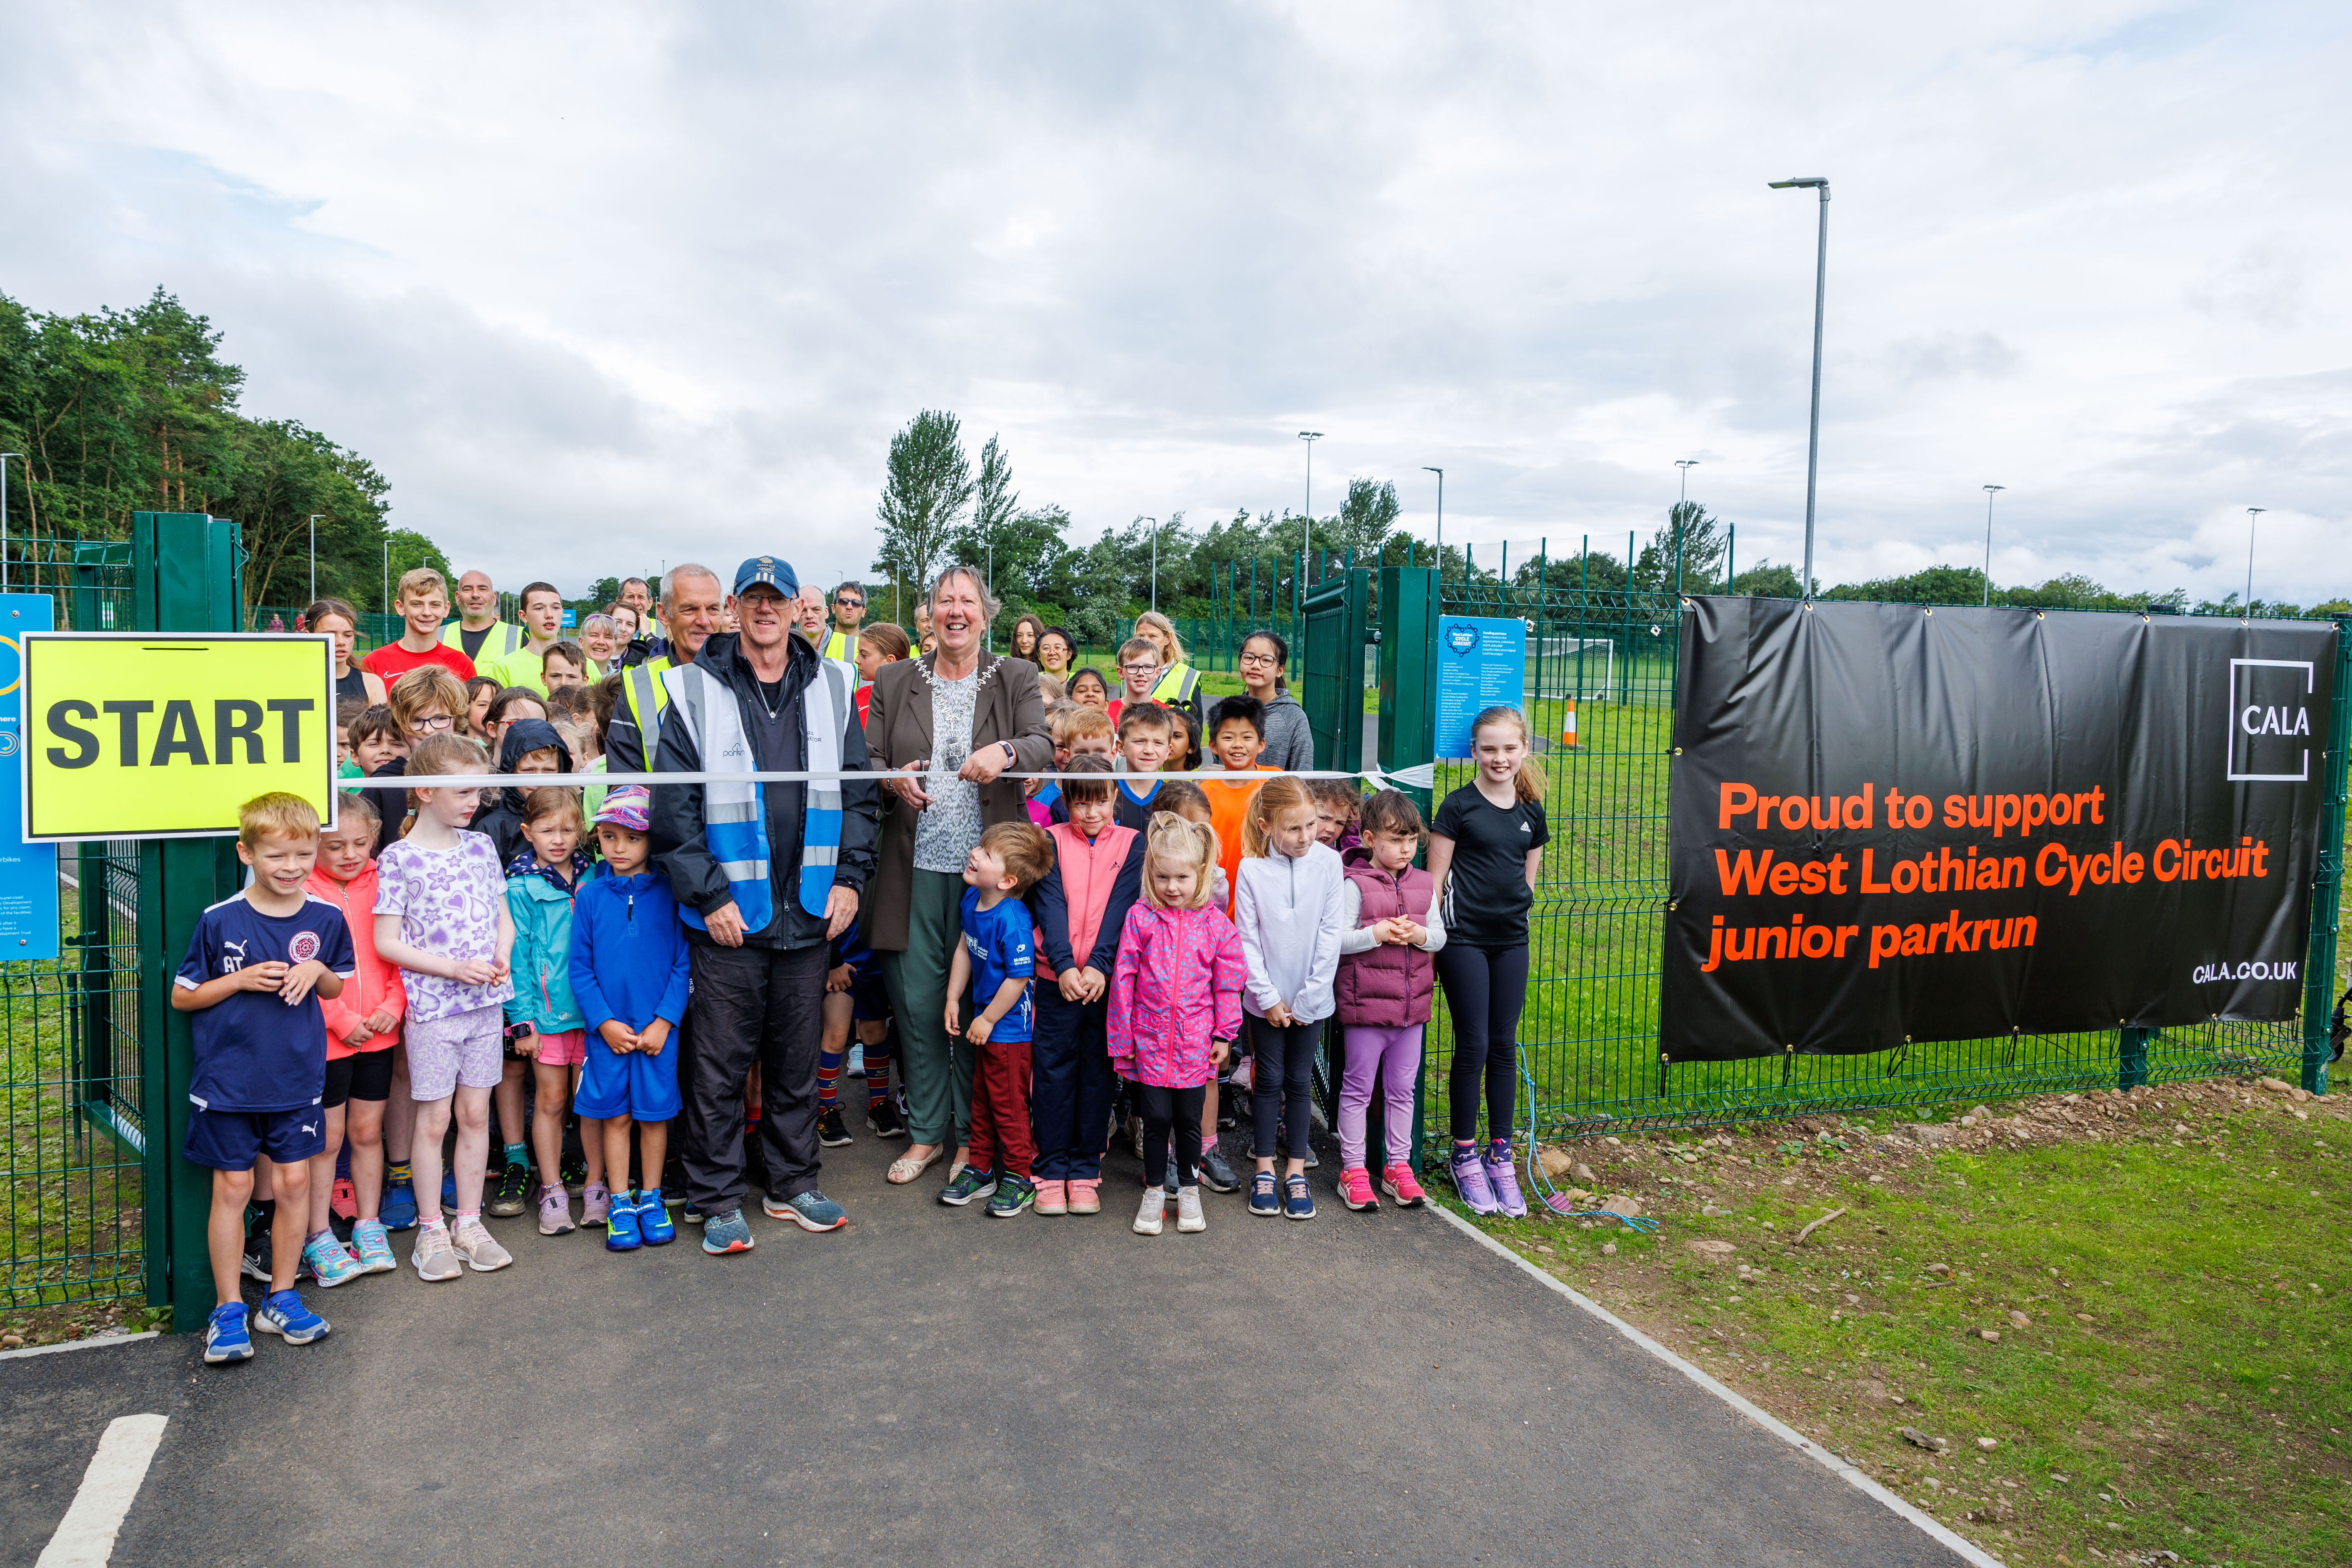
1408 608
2327 886
185 578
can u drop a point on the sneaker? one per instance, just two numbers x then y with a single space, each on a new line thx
554 1210
1014 1193
399 1209
1190 1220
1148 1217
1356 1189
653 1219
690 1214
1396 1181
225 1339
1469 1173
969 1183
512 1194
1052 1197
329 1262
1135 1136
255 1263
1217 1172
1504 1181
726 1233
832 1128
344 1202
473 1241
1086 1196
882 1119
374 1248
1264 1195
810 1210
1297 1202
283 1314
433 1258
621 1232
595 1205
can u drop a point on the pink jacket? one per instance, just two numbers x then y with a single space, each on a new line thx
373 984
1177 986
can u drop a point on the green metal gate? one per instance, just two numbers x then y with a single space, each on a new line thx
1334 631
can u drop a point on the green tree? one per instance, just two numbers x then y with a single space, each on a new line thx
285 473
926 486
1692 538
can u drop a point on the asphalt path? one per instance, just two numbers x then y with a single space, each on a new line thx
933 1386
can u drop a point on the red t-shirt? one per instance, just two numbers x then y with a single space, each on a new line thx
391 661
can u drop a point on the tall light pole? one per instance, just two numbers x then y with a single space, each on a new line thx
314 555
387 576
1155 559
2252 512
1821 286
1685 465
1440 515
1306 549
1990 491
4 515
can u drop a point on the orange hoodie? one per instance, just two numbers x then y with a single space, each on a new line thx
1229 800
374 982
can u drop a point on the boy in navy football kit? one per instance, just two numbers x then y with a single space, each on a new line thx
257 966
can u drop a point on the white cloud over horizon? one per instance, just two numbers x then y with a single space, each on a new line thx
597 286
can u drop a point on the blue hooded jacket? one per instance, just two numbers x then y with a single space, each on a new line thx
629 952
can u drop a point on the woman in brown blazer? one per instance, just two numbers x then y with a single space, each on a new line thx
966 718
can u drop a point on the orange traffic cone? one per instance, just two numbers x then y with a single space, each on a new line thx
1567 728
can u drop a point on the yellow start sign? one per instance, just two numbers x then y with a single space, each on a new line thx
152 735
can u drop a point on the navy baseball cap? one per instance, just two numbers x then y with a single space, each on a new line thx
777 575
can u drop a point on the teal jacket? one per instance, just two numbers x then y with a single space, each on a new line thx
542 958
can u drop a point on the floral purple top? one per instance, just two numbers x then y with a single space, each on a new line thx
448 901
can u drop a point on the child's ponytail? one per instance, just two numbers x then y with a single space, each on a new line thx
1528 783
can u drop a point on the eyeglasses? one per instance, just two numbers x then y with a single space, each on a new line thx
1152 668
1259 659
429 723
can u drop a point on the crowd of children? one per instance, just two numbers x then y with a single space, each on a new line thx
1155 940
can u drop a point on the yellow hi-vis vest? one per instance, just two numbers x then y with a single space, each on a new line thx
1176 685
645 694
503 639
840 645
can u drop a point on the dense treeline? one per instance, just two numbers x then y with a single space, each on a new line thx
120 411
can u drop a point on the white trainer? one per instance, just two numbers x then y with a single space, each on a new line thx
1148 1217
480 1250
434 1259
1190 1220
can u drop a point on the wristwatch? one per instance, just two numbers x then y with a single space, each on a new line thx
1010 755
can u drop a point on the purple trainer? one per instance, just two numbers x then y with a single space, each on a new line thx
1504 1181
1470 1175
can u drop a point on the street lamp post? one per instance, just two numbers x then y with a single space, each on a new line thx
387 576
1155 560
1440 515
1306 549
1821 283
1685 465
314 555
2252 512
3 516
1990 491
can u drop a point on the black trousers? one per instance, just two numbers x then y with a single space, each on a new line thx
763 1005
1178 1111
1484 992
1282 1084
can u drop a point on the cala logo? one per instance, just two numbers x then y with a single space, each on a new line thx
2270 728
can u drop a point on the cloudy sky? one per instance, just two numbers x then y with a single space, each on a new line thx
599 285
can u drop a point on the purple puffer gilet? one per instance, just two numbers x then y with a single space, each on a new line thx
1389 988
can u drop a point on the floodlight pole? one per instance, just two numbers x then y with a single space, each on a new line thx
314 555
1306 546
1155 561
1990 490
1821 290
2252 512
1440 513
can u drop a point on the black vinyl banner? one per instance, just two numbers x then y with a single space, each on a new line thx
1893 824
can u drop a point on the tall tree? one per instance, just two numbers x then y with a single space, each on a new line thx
925 488
1687 554
981 540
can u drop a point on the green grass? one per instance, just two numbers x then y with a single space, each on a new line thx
2179 1382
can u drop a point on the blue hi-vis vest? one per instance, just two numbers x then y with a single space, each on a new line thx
735 816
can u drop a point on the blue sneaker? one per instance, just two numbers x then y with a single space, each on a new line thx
726 1232
1264 1198
621 1231
225 1339
810 1210
399 1208
284 1314
1297 1202
653 1219
969 1183
331 1263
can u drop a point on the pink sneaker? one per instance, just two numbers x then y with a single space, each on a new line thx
1086 1196
1397 1181
595 1205
1356 1189
345 1203
1052 1197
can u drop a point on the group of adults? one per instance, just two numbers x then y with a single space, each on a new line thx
753 675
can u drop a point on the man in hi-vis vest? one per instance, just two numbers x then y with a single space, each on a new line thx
766 876
692 598
478 632
849 609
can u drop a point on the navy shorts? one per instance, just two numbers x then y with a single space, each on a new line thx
229 1139
870 1000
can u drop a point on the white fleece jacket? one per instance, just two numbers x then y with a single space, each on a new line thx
1290 915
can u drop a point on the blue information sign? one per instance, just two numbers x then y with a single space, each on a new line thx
1480 663
28 872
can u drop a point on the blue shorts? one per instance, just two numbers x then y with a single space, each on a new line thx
870 999
634 1085
229 1139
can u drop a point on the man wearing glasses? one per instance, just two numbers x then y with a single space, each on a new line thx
849 609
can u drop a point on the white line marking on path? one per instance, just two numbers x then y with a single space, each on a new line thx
88 1344
85 1537
1968 1551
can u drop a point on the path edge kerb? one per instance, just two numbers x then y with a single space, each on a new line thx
1968 1550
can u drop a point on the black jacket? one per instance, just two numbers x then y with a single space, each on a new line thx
676 816
501 812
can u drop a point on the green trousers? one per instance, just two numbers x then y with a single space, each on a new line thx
936 1069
